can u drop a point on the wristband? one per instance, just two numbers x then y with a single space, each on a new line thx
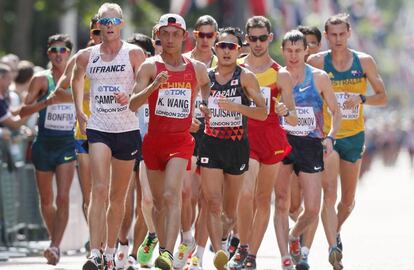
330 138
204 102
363 98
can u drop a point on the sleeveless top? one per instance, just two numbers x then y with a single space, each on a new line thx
268 86
345 84
108 78
309 105
58 119
171 105
224 124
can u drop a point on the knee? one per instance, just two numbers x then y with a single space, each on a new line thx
247 194
346 206
229 220
282 204
147 202
186 193
62 201
171 199
46 202
214 205
100 194
312 212
329 196
262 201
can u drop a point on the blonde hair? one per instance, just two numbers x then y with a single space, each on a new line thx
110 6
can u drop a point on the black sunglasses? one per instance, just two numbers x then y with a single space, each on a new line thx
158 42
229 45
204 35
262 38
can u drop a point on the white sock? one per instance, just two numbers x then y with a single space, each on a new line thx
187 237
200 253
96 252
304 251
109 251
224 244
123 248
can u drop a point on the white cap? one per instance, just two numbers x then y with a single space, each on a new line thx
172 19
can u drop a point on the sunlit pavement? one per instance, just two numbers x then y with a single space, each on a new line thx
378 235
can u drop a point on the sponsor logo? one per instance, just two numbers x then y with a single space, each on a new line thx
108 88
68 158
204 160
133 153
303 89
278 152
173 154
317 168
242 167
95 59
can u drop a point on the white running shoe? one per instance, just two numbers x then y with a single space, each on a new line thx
181 256
121 257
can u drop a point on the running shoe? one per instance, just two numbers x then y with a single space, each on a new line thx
335 257
146 250
163 261
220 260
109 262
233 245
249 263
238 259
195 263
287 263
131 264
184 251
94 262
52 255
121 257
339 242
303 263
294 250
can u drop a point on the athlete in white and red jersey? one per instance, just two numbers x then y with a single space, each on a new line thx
112 130
267 140
170 82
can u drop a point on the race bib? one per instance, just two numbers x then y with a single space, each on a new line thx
266 92
223 118
174 103
306 122
197 112
347 114
60 117
146 113
105 101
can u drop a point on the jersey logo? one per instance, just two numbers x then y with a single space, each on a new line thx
68 158
95 59
242 167
356 73
234 82
133 153
317 168
303 89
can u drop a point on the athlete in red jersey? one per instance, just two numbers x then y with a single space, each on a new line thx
170 83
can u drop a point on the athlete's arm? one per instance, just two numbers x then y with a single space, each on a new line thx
251 86
317 60
324 84
203 82
77 83
284 82
37 88
370 68
143 87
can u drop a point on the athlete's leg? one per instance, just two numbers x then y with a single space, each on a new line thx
140 228
147 201
121 175
282 202
264 188
329 185
100 160
296 197
231 193
349 179
246 204
84 176
64 178
45 189
129 212
212 187
187 207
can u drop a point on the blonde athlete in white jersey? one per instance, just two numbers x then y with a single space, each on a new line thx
112 129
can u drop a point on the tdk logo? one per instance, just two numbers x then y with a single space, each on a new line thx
175 92
108 88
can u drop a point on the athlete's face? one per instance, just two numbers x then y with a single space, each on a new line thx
313 45
227 49
294 53
259 40
110 25
171 38
337 36
205 36
58 53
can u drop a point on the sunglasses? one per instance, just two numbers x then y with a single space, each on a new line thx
95 32
228 45
262 38
312 44
57 49
204 35
107 21
158 42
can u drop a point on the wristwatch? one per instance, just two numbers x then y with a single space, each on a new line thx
363 98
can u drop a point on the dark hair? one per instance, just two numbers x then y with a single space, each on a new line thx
4 68
142 41
294 36
311 30
59 38
25 71
235 31
206 20
336 19
258 22
94 21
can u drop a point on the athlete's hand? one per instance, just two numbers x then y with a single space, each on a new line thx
82 119
162 77
327 147
352 102
122 98
280 107
227 104
195 125
205 111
